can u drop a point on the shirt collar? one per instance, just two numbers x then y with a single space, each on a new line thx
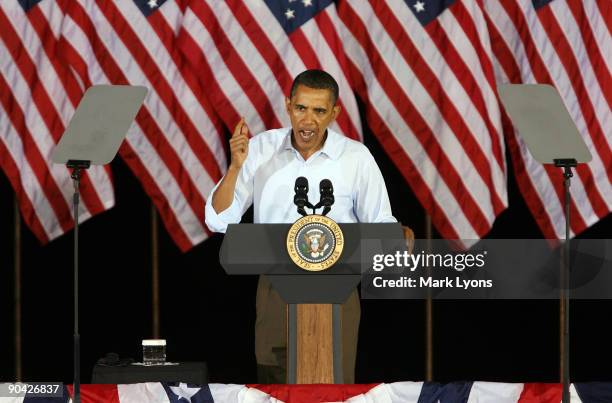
332 147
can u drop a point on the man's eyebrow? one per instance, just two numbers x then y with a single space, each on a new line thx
316 108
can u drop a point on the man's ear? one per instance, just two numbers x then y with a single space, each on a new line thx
288 105
336 111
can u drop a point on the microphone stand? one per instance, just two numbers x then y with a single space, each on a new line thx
301 203
327 200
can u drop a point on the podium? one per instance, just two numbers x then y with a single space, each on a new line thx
314 336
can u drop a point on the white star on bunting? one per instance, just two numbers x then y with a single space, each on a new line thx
184 391
419 6
307 3
290 14
152 3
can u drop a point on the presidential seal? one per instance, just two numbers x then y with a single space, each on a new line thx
315 242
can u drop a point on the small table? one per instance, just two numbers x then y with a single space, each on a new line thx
195 373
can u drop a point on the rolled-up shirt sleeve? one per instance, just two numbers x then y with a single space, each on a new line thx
218 222
243 198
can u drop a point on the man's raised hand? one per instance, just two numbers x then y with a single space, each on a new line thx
239 145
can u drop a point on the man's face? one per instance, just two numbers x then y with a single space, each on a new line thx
310 110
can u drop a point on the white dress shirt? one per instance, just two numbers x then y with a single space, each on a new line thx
267 180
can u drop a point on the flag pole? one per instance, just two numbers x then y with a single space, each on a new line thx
17 288
428 311
155 272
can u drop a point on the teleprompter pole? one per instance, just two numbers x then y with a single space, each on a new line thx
93 137
77 166
567 165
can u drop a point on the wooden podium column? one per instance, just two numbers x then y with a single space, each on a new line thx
315 362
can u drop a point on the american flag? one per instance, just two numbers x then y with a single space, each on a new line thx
38 95
176 147
248 53
425 71
565 43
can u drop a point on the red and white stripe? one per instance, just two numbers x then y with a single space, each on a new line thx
176 148
38 96
431 102
396 392
564 44
247 60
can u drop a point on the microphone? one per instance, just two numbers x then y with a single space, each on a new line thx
301 195
326 190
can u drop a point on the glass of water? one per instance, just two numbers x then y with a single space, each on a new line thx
154 352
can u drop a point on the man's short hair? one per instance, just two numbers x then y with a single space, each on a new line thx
317 79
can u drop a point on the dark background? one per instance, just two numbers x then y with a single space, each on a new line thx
209 316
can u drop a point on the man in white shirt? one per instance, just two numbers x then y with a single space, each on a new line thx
263 171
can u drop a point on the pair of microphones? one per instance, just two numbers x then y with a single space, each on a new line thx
301 196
